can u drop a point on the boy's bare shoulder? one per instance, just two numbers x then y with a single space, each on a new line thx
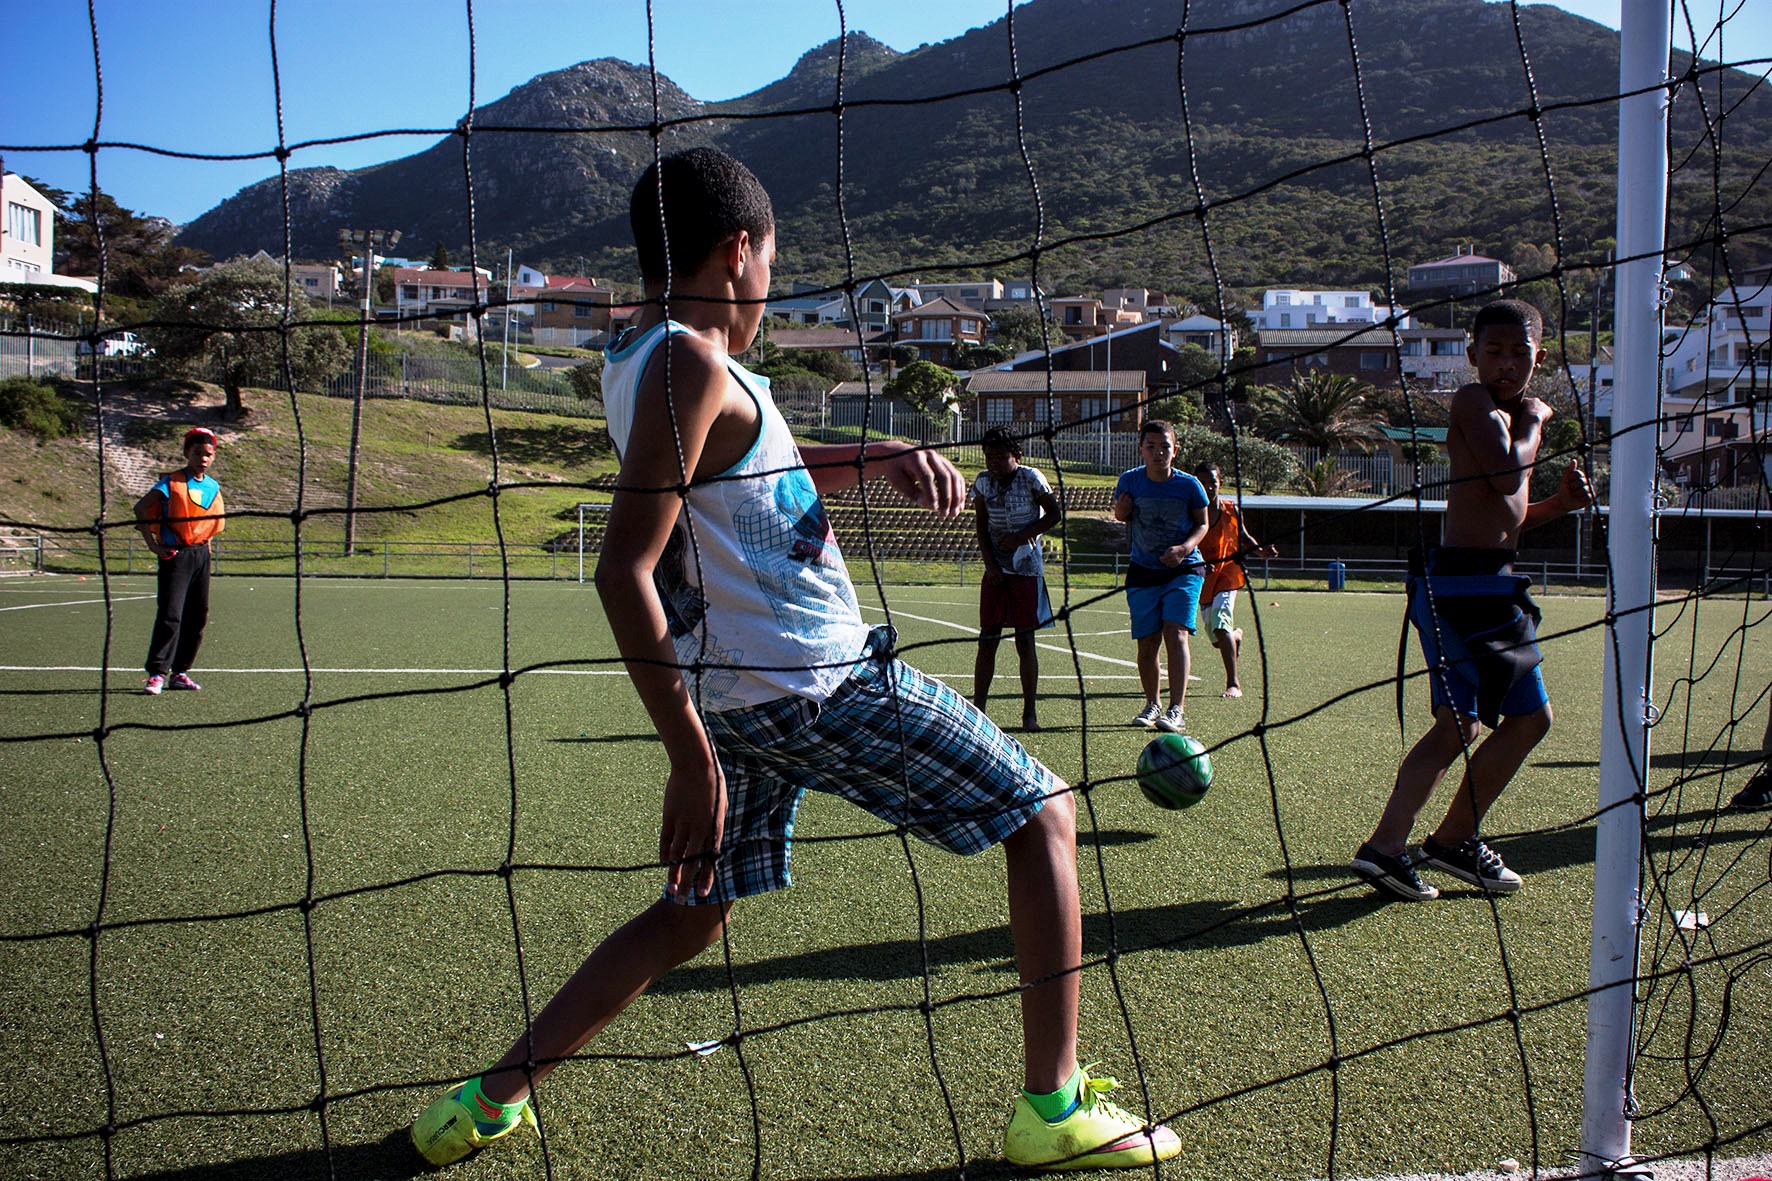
688 362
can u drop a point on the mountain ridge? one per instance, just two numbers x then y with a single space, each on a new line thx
934 180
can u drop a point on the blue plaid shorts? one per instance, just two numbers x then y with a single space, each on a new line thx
901 745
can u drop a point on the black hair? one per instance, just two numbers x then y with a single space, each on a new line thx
1209 465
1152 425
1001 438
1516 313
705 197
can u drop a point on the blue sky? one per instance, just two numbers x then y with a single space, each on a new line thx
195 75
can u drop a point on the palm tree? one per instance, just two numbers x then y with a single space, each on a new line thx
1324 478
1319 409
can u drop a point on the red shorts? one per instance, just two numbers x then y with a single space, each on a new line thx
1017 602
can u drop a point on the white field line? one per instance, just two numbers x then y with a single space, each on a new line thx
77 602
468 672
1050 647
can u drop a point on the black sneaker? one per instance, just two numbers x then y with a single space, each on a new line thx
1756 795
1472 862
1396 874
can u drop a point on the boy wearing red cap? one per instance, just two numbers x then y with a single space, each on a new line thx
178 517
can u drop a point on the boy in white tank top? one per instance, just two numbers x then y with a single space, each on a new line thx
732 607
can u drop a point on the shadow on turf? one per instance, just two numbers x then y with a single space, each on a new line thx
1200 923
391 1158
1539 852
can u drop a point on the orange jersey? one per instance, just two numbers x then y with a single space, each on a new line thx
1223 538
189 516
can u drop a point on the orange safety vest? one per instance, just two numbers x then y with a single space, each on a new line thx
1219 544
190 522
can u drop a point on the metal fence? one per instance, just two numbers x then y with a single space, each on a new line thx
30 347
457 381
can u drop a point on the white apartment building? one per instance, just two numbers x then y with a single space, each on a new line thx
1709 366
27 237
1291 307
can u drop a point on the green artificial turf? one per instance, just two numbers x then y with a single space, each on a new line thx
293 908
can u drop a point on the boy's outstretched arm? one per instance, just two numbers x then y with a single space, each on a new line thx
922 476
642 514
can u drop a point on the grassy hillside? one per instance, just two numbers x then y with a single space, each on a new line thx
410 454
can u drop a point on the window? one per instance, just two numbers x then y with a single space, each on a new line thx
1448 348
1073 315
583 311
876 306
1283 299
1411 348
410 291
1285 319
1370 360
1317 300
24 223
999 409
1351 301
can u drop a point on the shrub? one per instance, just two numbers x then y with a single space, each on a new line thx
39 408
587 379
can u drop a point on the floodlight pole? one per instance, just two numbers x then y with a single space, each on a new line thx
1608 1104
369 240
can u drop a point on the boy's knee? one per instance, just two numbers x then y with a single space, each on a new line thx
1533 726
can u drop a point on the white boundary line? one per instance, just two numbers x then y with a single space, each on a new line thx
77 602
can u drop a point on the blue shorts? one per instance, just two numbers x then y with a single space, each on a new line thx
898 744
1453 670
1175 601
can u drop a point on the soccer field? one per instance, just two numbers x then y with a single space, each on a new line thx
248 939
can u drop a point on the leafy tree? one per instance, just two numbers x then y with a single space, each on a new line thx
926 386
1247 461
229 319
1319 409
587 378
139 259
824 362
1421 408
440 258
1018 329
1180 409
981 356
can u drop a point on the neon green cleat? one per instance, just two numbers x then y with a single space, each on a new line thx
450 1128
1097 1135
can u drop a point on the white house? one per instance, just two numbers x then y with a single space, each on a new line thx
1213 335
27 242
1291 307
1708 366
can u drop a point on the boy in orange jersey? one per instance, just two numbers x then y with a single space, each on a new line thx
178 517
1223 547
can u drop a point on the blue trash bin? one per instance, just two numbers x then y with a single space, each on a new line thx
1337 576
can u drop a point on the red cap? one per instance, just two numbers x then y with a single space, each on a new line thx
200 433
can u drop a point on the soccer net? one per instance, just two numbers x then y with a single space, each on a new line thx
1327 1059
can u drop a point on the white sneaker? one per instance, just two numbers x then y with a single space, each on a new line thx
1147 717
1173 721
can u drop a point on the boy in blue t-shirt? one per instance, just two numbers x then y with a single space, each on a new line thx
1166 510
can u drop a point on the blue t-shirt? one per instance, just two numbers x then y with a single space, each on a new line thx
1162 514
